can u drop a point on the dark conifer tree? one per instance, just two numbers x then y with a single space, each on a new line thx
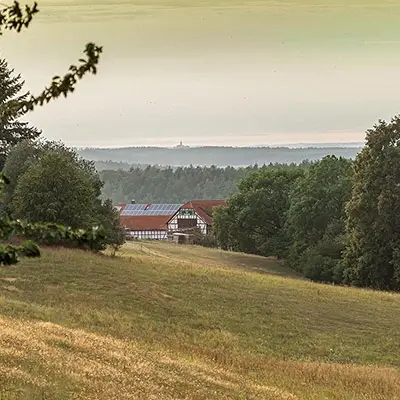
12 130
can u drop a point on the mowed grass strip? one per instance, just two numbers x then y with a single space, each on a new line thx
269 336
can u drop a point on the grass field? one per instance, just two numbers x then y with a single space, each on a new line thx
171 322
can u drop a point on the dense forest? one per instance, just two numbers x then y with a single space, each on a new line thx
166 185
335 220
207 156
154 184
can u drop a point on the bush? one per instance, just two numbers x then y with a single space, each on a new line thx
324 262
207 240
320 268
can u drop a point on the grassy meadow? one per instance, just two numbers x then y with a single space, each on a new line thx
163 321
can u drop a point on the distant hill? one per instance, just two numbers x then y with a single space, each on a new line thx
219 156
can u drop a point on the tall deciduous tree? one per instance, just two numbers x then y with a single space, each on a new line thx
256 216
51 183
373 254
224 228
316 219
27 152
55 189
12 130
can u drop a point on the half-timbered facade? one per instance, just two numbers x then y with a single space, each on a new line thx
194 214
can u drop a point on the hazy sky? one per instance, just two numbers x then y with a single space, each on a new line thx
215 72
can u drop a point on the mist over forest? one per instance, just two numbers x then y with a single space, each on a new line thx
124 158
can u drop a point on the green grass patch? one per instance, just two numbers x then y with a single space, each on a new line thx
243 315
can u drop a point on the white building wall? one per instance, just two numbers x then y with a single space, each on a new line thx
148 235
187 214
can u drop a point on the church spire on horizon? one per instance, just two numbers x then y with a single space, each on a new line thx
181 146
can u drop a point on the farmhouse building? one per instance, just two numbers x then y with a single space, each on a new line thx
146 221
157 221
194 214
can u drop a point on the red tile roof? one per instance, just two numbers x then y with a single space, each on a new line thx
145 222
204 208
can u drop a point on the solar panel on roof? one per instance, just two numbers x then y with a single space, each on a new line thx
131 207
152 209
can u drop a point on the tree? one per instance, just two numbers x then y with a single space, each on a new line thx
13 18
108 218
255 218
316 218
12 130
55 189
372 257
92 239
223 228
55 185
323 261
28 152
18 161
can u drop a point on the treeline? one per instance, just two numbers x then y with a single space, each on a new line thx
335 221
219 156
114 165
172 185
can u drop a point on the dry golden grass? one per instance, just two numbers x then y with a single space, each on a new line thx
44 358
172 322
97 366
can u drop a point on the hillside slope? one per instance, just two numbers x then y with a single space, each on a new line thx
172 322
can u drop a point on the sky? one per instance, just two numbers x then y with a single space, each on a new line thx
214 72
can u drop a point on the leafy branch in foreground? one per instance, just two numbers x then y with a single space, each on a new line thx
62 86
50 233
59 86
13 18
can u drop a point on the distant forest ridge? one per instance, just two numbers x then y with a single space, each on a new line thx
124 158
